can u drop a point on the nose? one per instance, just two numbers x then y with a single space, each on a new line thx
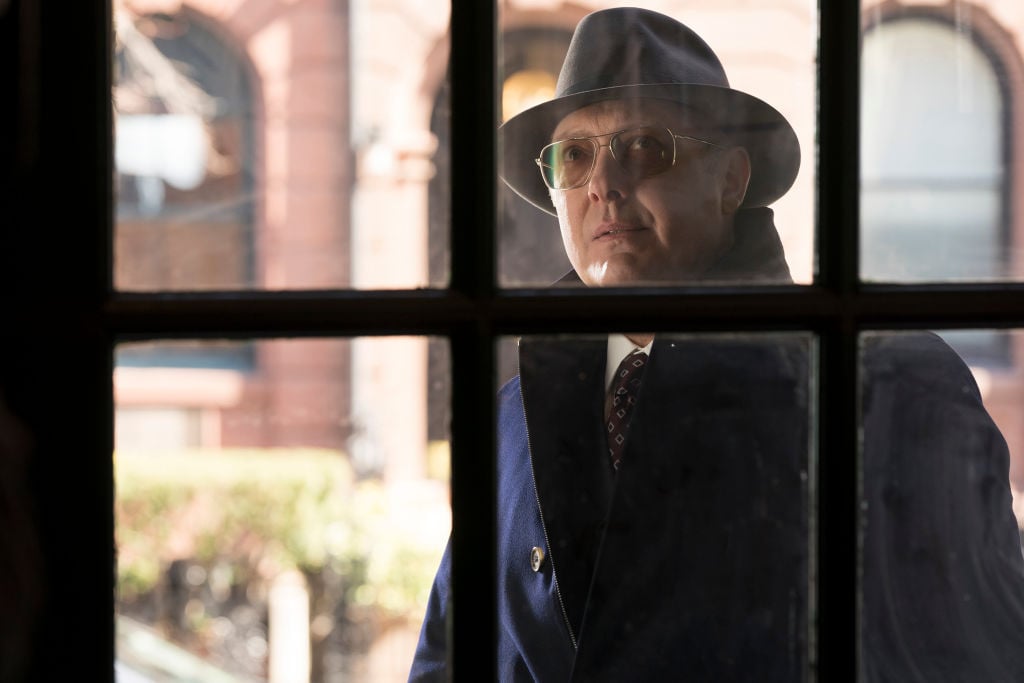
609 181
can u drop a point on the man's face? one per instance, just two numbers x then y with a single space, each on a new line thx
671 227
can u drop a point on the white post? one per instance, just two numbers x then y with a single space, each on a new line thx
289 629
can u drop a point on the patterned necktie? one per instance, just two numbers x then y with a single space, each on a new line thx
625 385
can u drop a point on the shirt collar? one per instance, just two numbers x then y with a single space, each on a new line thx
619 346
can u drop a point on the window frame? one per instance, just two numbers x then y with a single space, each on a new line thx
64 318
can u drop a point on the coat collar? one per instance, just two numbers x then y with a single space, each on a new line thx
757 255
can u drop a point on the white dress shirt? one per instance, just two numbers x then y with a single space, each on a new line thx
619 346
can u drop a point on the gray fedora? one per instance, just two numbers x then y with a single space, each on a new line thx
628 52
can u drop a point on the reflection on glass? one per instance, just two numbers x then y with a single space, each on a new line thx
277 518
936 147
943 574
769 54
693 554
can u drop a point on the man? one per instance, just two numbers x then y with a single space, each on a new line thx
654 514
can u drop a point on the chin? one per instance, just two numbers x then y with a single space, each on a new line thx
626 280
617 273
620 275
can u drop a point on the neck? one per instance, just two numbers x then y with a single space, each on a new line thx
641 339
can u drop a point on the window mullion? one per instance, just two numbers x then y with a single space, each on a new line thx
838 455
473 185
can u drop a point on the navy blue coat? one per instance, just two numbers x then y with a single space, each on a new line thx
692 562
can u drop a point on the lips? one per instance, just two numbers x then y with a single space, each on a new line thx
611 230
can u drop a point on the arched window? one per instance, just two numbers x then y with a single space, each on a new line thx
933 155
184 147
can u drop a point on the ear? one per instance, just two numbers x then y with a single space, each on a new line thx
735 178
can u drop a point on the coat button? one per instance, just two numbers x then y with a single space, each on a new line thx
536 558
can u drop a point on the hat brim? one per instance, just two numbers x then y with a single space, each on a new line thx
744 120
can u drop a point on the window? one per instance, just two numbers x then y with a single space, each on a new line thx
933 155
63 319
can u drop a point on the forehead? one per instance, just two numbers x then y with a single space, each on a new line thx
612 115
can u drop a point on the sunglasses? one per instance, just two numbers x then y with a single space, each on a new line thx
642 152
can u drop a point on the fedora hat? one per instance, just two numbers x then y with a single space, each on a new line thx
628 52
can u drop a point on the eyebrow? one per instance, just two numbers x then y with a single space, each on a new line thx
690 125
582 132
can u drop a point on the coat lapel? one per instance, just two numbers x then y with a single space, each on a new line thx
563 394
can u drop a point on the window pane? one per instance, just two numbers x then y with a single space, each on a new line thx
768 52
188 195
401 144
287 515
695 555
288 146
943 575
937 144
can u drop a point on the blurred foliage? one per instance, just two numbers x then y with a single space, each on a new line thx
259 512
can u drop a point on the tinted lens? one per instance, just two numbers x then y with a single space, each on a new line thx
643 151
566 163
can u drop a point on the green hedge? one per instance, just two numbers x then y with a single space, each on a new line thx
263 511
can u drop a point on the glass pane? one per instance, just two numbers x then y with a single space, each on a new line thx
188 186
942 509
401 143
280 519
694 554
673 222
283 146
937 143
